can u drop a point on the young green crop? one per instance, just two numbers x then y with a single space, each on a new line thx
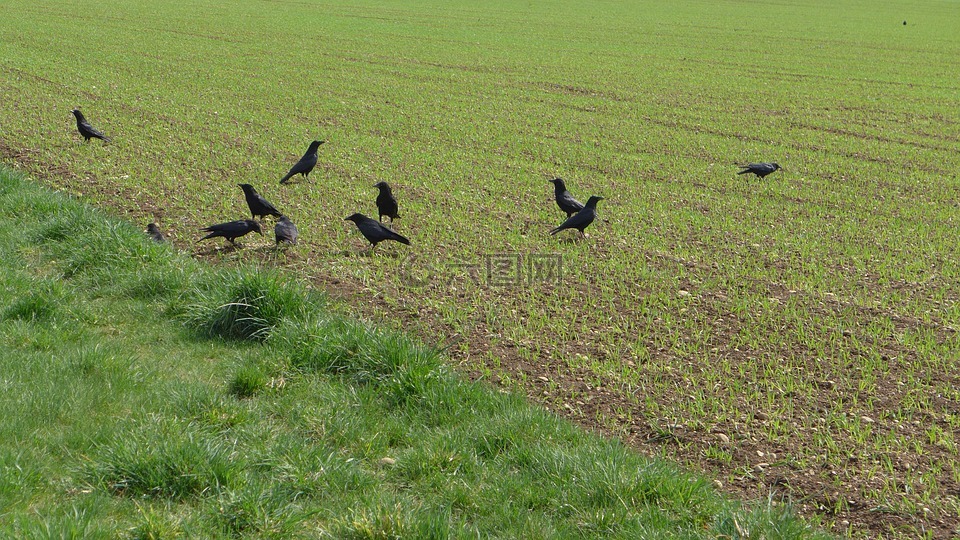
828 288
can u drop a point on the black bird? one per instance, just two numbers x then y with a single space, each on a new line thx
285 231
232 229
581 219
759 169
306 163
386 202
374 231
565 200
258 205
153 231
86 129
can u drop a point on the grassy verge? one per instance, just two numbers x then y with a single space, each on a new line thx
148 396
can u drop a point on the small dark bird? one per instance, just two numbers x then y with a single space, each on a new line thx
759 169
232 229
258 205
374 231
153 231
581 219
565 200
386 202
285 231
306 163
86 129
904 23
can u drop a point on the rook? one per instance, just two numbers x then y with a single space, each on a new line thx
306 163
86 129
374 231
232 230
581 219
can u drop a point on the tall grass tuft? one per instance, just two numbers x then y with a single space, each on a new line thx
387 522
34 305
362 354
169 460
246 305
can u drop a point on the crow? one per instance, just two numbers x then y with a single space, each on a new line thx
565 200
581 219
153 231
285 231
374 231
258 205
306 163
386 202
232 229
759 169
86 129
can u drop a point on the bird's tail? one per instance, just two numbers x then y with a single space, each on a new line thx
555 231
745 171
287 177
400 238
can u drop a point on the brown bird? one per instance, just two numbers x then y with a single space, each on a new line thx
153 231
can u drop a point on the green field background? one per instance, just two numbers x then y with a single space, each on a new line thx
780 313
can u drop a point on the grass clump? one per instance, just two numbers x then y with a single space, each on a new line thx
389 522
166 460
35 305
246 305
362 354
249 381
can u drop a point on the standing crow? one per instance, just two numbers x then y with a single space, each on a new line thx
285 231
258 205
86 129
232 229
581 219
306 163
153 231
386 202
374 231
565 200
759 169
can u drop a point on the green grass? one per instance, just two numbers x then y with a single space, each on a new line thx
810 317
134 415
